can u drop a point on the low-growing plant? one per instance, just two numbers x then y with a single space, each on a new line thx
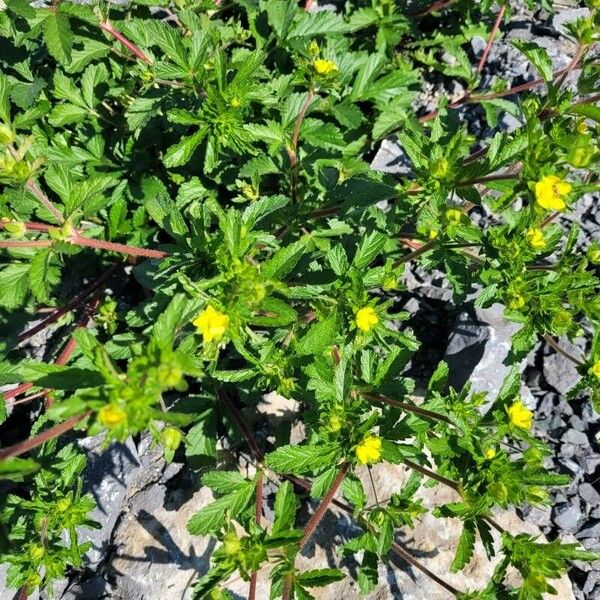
188 195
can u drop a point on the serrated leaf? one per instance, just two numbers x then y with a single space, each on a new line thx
537 55
465 547
58 36
210 518
320 577
14 284
285 508
182 151
302 459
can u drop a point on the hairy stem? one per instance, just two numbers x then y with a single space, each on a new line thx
80 240
33 187
106 26
412 408
554 344
431 474
490 41
293 150
324 505
41 438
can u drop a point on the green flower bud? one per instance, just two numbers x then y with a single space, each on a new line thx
593 254
581 156
15 228
7 135
231 544
561 321
36 552
63 505
439 168
171 438
169 374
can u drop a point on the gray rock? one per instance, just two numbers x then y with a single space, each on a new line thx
559 371
578 438
589 494
567 517
590 531
390 158
108 476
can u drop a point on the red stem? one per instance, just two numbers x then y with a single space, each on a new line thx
80 240
243 427
423 412
322 508
106 26
417 14
490 41
41 438
258 516
39 194
25 243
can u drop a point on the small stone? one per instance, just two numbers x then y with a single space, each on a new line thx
567 517
591 531
589 494
578 438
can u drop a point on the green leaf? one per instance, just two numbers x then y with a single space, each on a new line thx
17 468
537 56
370 247
320 577
211 517
58 36
322 482
61 377
224 482
285 508
182 151
465 547
319 336
354 492
259 209
4 96
281 15
165 212
283 261
14 284
302 459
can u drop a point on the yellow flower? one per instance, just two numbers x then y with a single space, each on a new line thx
453 215
535 238
111 415
432 234
325 66
211 324
596 369
366 318
369 450
549 192
520 415
490 453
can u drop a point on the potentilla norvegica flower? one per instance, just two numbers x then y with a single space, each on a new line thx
535 238
550 191
596 369
519 415
366 318
212 324
111 415
490 453
324 66
369 450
